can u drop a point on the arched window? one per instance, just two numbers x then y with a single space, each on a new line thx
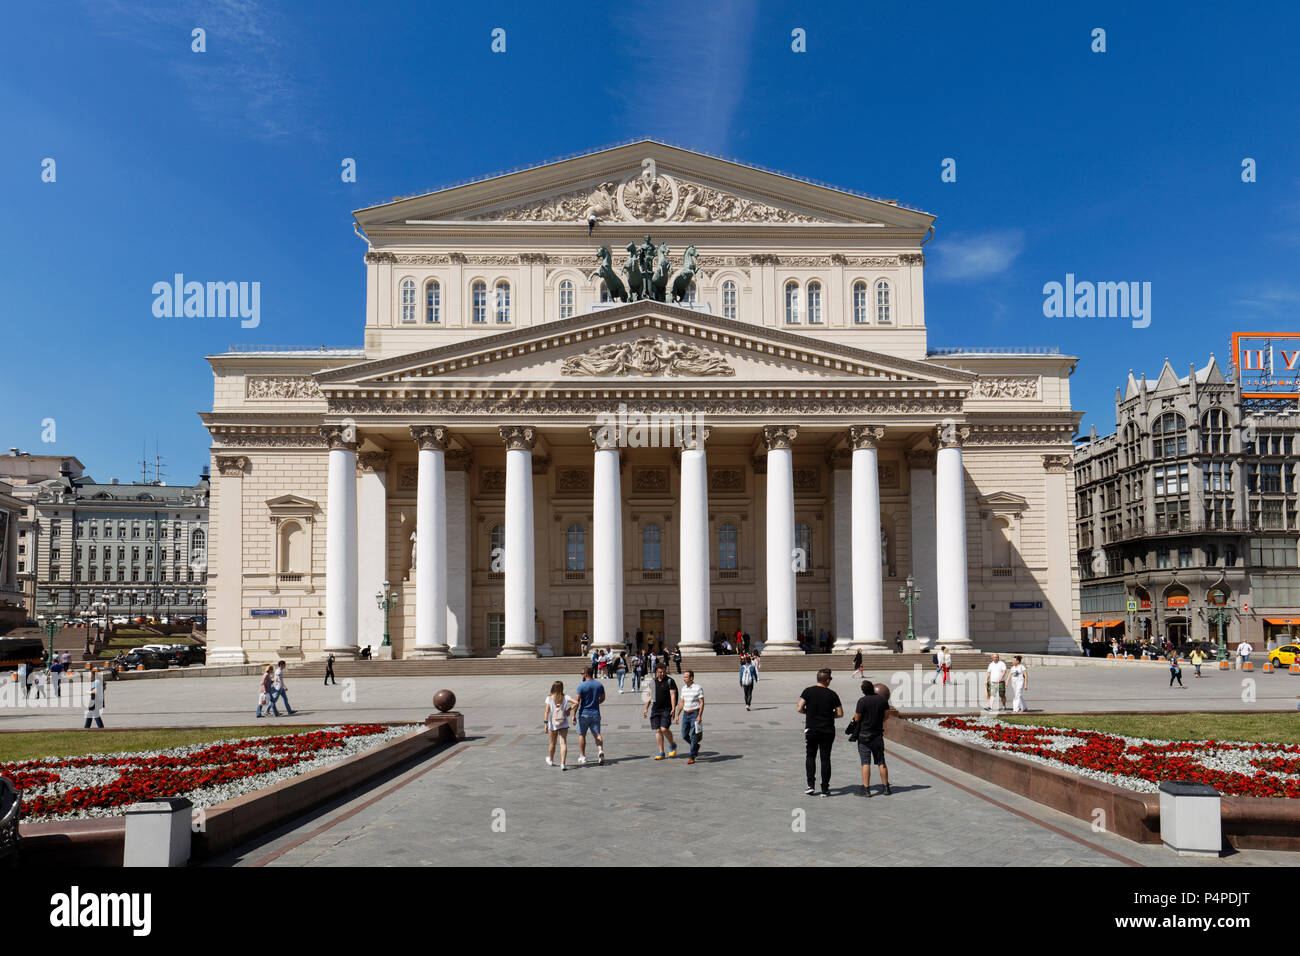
1002 546
479 295
503 302
408 300
604 291
196 540
882 303
814 303
792 303
860 303
727 547
1214 432
728 299
651 548
1169 436
293 548
566 299
803 540
432 302
575 548
497 547
692 294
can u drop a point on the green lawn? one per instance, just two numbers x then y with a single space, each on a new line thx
30 744
1279 728
127 641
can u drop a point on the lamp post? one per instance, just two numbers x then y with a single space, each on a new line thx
387 600
1220 616
50 622
907 594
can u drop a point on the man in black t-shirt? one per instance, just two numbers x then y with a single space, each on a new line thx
870 717
662 703
820 706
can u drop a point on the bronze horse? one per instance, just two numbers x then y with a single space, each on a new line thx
637 281
606 272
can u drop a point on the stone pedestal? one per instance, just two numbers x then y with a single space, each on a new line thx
1190 818
158 833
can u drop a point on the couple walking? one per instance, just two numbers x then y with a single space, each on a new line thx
585 709
663 702
273 691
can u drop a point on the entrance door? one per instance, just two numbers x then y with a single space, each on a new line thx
575 624
652 626
1177 629
729 622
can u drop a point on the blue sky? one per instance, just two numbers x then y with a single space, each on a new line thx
1115 166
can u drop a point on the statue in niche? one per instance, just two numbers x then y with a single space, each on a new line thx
411 570
884 548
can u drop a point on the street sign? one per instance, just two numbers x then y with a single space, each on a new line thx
1132 605
268 612
1023 605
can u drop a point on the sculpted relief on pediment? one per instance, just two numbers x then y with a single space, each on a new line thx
650 355
648 199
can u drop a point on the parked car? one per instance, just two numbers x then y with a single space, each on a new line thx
149 659
1184 650
187 654
1284 656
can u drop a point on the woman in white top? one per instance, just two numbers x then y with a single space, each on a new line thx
1019 681
557 723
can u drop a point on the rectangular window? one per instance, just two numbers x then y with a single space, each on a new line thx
496 630
1185 559
806 624
1273 553
1162 559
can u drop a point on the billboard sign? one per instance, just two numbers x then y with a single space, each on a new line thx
1267 364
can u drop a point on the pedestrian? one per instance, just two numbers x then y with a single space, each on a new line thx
620 669
748 678
1244 650
1197 659
1175 673
744 637
556 722
329 670
661 701
590 695
584 641
56 678
595 659
1019 681
821 707
898 642
65 659
94 706
857 664
638 670
677 657
995 682
266 696
39 682
868 728
690 707
279 691
640 641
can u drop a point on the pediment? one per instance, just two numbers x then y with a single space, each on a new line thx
644 183
1003 502
290 504
644 342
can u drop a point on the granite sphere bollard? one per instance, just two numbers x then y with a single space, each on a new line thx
444 700
883 690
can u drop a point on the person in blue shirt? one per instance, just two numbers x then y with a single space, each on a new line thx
590 694
748 678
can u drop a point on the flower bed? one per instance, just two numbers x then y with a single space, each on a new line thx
98 785
1236 769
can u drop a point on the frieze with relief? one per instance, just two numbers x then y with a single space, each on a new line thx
282 386
579 408
727 479
570 480
492 480
807 480
1009 386
650 479
647 356
268 441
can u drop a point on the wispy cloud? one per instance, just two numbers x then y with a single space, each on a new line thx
1268 299
976 256
244 80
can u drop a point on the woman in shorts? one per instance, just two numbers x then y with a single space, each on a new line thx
556 719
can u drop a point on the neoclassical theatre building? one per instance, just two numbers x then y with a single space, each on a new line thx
644 389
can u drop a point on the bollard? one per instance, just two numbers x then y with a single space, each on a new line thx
1267 668
1190 818
158 833
1110 657
1225 666
1295 668
1248 665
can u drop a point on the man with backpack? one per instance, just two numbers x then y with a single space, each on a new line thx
748 678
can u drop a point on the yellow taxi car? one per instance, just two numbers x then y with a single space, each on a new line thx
1285 655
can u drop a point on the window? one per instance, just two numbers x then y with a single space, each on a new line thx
882 303
503 303
196 540
860 303
432 303
805 624
1162 559
408 300
496 630
692 294
1273 553
135 529
1214 432
792 303
1132 444
496 548
566 299
1185 557
803 545
479 296
727 547
575 548
604 292
728 299
814 303
1169 436
1217 476
651 548
135 554
1171 480
293 548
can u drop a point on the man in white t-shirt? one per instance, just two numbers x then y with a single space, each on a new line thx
1244 650
690 707
996 682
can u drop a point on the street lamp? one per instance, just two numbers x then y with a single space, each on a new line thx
907 594
387 600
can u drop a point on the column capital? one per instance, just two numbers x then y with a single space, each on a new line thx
340 437
865 436
1056 464
949 434
693 437
372 461
604 437
779 436
431 437
921 458
232 466
518 437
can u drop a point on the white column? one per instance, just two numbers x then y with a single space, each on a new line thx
920 504
520 585
458 543
868 609
780 541
952 595
225 573
607 542
341 542
1062 588
693 566
372 546
842 537
431 543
